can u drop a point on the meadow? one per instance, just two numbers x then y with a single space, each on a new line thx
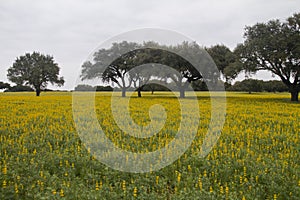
256 157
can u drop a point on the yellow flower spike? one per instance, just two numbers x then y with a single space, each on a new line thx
244 198
16 188
189 168
61 193
124 185
210 189
97 186
178 177
54 192
67 163
200 186
4 184
4 170
227 192
221 190
157 179
135 190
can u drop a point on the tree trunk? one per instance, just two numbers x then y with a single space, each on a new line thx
182 93
152 91
294 95
37 92
123 92
139 92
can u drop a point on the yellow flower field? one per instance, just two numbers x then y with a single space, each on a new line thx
256 157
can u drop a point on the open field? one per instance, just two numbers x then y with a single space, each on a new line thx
256 157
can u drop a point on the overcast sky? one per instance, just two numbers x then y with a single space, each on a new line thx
71 30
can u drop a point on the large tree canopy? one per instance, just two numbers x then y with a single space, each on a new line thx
112 65
117 64
36 70
226 61
274 46
187 71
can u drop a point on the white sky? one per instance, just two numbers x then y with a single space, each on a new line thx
71 29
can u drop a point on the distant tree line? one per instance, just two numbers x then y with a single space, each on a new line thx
85 87
149 87
4 85
18 88
247 85
253 85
